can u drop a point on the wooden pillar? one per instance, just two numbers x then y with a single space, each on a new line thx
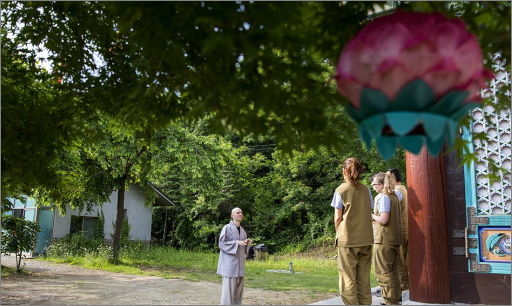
429 266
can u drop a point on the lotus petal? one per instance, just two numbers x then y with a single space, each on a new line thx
351 90
412 144
374 125
402 122
365 136
373 102
434 147
416 95
449 102
434 125
386 146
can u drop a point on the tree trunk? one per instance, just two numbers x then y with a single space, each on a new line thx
116 242
165 225
173 237
119 219
18 262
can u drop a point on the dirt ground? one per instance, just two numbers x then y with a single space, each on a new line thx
60 284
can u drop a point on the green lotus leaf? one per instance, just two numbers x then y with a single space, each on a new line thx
434 125
402 122
449 103
412 144
374 125
452 129
354 113
415 96
386 145
434 147
366 138
373 102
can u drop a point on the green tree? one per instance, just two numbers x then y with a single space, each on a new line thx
38 124
99 227
114 160
18 236
285 197
205 175
125 232
258 67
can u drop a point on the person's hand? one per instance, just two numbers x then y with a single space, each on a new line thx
242 242
248 241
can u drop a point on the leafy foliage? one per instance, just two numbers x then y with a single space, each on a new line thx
256 67
125 232
99 227
285 197
136 89
18 236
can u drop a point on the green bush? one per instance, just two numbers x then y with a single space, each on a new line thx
125 232
74 245
99 228
18 236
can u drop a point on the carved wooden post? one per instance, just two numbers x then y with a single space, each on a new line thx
429 266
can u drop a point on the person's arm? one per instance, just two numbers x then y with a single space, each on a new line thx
337 203
383 219
384 208
227 245
371 198
338 216
399 195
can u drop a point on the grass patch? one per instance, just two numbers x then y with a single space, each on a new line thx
7 272
10 272
317 273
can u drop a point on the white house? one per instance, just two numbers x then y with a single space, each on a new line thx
53 225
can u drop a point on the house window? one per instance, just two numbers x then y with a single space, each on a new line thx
82 224
18 212
88 228
125 213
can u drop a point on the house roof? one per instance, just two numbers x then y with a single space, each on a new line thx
162 199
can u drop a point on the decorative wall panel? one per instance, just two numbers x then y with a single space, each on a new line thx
488 203
493 199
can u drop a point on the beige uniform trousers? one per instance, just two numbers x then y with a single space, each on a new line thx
385 265
403 264
232 290
354 265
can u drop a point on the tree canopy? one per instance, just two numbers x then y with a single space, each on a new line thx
255 67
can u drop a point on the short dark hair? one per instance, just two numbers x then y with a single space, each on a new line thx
396 173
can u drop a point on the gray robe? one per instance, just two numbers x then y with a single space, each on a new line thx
232 255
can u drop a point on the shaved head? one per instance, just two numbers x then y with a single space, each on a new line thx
237 215
234 211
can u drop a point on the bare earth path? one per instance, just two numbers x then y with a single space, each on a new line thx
61 284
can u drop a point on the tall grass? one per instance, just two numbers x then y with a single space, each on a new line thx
313 272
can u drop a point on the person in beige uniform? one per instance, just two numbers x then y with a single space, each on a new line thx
403 263
353 204
387 236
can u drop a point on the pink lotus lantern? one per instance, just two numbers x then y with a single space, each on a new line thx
411 77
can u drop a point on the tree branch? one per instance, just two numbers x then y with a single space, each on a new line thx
130 164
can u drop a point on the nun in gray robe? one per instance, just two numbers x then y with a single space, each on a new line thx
232 263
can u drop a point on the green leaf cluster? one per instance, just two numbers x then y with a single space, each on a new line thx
18 236
285 197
